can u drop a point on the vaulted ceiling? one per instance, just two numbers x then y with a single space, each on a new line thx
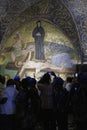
70 16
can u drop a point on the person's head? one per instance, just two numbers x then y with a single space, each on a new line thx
33 82
58 83
69 79
59 80
45 78
25 83
10 82
38 23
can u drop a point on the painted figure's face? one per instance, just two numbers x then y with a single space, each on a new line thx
38 24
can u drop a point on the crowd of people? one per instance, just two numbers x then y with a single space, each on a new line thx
45 104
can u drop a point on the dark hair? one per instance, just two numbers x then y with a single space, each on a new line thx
69 79
25 83
58 81
33 82
45 78
10 82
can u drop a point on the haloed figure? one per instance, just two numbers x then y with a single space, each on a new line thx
38 34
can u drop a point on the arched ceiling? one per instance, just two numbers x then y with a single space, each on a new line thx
66 15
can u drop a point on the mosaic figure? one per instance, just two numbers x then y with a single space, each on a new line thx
38 34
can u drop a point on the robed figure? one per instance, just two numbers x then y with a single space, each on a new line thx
38 34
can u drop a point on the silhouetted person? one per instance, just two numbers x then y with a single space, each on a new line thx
47 111
61 103
38 34
8 109
28 103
